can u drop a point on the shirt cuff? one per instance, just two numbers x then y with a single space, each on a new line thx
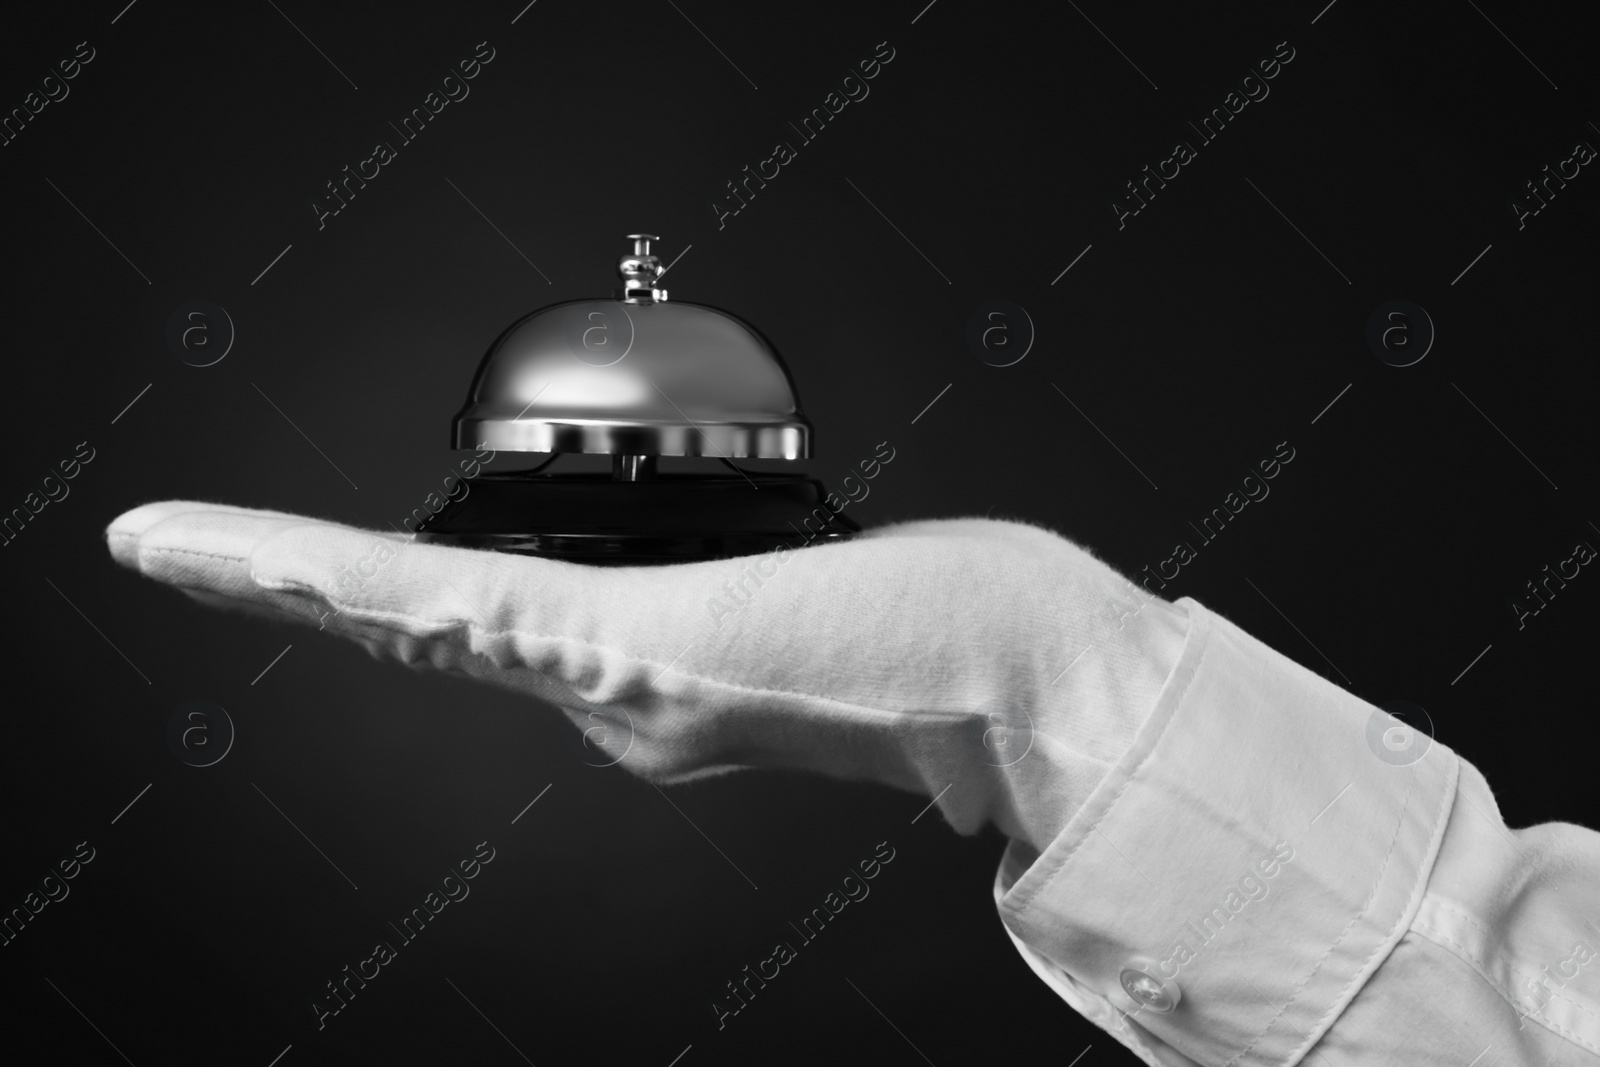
1243 869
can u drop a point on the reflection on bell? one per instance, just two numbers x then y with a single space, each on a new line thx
636 378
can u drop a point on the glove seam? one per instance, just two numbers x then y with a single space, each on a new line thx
191 552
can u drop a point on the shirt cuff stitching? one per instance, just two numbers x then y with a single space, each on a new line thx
1372 896
1338 1003
1444 905
1445 941
1456 949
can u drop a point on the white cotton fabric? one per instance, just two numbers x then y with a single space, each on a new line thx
1145 757
994 665
1409 927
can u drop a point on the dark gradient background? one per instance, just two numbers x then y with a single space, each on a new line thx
1196 339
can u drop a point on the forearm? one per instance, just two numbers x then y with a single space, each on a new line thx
1290 874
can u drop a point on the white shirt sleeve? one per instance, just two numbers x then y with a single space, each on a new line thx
1278 872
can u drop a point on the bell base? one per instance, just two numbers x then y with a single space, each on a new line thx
670 518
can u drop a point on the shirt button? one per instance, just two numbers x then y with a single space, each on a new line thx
1145 989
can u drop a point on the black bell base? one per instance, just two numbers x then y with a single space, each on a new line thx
668 518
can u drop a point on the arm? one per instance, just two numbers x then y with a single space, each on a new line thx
1194 818
1283 873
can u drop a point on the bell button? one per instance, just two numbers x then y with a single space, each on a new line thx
1148 991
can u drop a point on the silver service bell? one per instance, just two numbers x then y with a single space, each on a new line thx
636 377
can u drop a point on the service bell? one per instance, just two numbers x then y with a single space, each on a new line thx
636 377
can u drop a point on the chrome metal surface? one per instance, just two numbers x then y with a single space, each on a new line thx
639 273
639 379
632 468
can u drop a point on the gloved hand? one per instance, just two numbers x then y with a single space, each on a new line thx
990 664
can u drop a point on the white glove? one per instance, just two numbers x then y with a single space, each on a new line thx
992 665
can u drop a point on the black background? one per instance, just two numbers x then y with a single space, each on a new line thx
1196 338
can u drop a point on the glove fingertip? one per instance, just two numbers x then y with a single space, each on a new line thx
124 532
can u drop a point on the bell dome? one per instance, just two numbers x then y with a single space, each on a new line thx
636 375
